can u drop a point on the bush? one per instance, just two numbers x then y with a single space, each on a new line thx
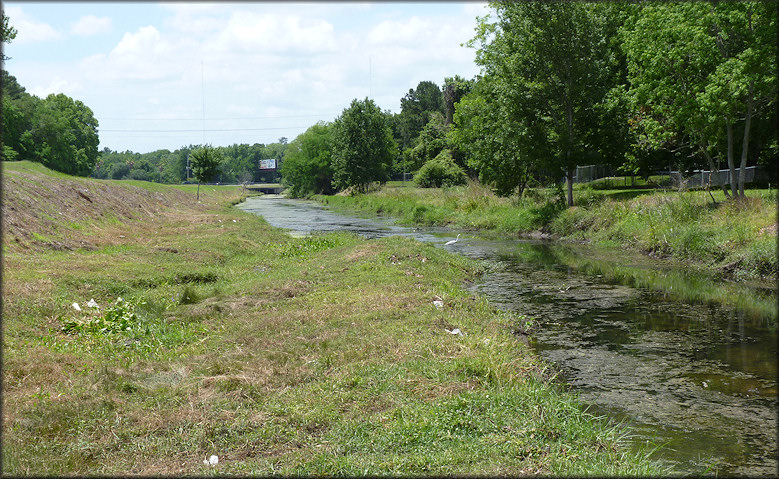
440 171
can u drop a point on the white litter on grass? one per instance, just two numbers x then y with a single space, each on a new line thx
211 461
76 307
454 331
92 303
438 304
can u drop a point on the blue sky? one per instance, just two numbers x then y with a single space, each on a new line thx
150 72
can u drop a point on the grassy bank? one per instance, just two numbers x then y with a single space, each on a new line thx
737 239
281 355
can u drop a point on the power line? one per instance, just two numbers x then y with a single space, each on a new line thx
212 119
209 130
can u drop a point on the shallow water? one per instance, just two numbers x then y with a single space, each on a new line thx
698 379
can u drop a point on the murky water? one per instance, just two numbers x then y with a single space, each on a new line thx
700 380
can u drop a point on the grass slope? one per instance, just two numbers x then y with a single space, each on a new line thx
737 239
281 355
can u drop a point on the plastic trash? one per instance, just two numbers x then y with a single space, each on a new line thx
438 304
92 303
76 307
454 331
211 461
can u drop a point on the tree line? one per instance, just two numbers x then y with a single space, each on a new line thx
238 163
637 86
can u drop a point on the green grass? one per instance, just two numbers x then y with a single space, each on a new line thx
294 356
732 237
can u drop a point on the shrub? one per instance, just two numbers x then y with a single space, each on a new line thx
440 171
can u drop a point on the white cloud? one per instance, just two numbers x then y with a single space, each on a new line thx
91 25
30 30
280 34
258 60
57 85
414 32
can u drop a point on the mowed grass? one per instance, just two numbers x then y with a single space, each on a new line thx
281 355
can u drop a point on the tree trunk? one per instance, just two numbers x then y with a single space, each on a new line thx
198 191
713 168
731 165
745 144
571 169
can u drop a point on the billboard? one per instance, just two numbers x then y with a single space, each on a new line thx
268 164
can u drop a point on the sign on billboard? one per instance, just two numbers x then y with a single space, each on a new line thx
268 164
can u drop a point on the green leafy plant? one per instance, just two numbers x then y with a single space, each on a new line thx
441 171
117 319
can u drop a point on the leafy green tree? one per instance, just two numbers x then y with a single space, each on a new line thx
441 171
205 162
430 142
455 88
416 109
547 66
7 33
363 146
487 131
58 131
697 70
63 136
307 167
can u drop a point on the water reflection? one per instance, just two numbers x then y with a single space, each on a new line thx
697 377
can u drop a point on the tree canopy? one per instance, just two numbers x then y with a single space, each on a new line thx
363 146
205 162
57 131
698 70
307 167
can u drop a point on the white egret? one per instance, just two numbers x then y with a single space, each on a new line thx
453 241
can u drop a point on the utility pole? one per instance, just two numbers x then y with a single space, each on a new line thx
203 92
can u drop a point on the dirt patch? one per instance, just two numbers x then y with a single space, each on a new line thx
363 251
768 230
41 211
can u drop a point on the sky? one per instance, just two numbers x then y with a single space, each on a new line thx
167 75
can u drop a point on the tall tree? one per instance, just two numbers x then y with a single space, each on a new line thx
416 109
205 163
699 69
455 88
307 167
549 67
363 146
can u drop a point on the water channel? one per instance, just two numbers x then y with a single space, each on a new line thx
697 379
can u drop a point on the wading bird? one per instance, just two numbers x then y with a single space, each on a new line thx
452 241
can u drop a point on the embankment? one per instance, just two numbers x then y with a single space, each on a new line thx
735 239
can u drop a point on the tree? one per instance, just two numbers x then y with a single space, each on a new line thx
455 88
363 146
7 33
74 140
698 71
205 164
430 142
416 109
441 171
495 142
547 67
307 167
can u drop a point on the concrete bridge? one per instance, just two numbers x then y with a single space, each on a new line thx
266 188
